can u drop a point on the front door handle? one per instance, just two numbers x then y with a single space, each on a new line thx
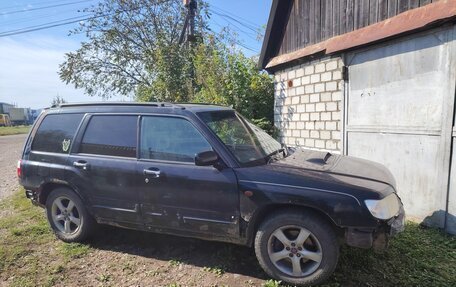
81 164
154 173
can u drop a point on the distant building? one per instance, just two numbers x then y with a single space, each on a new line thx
5 108
374 79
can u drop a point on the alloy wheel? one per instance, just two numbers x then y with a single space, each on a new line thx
65 215
294 250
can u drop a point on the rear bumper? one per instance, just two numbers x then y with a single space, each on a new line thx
379 237
33 196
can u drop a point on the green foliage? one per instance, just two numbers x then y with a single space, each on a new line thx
133 49
57 101
272 283
74 250
6 131
218 271
174 262
266 125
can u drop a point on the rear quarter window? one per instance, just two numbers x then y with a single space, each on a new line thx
56 132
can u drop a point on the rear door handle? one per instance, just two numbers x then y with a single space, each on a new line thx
154 173
81 164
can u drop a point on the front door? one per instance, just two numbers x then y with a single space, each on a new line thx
103 167
177 194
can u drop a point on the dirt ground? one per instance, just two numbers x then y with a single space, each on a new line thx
10 153
130 258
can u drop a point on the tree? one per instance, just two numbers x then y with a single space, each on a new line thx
133 48
57 100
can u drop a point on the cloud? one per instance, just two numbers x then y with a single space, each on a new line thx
28 71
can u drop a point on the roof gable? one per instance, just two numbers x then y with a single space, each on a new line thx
307 25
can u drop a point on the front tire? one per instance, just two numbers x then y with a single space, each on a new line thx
68 216
297 247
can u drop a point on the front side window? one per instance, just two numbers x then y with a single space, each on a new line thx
171 139
110 135
56 133
248 143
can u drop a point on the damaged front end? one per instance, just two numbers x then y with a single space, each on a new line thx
377 238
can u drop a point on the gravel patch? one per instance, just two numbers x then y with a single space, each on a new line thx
10 153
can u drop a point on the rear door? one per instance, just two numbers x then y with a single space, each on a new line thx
103 166
175 192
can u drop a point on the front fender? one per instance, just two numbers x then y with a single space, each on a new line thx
344 210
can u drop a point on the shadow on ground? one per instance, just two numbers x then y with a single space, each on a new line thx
229 257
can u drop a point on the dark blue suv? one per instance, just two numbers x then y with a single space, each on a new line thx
204 171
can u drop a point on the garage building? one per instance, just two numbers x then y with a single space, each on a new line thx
374 79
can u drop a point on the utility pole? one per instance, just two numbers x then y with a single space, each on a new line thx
189 25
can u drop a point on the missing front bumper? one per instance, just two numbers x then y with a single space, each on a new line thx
376 238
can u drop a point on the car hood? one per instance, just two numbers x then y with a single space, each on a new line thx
338 165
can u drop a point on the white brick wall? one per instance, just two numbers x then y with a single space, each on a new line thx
308 102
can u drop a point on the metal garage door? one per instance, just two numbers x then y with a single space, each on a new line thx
399 111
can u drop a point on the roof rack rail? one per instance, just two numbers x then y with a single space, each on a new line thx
152 104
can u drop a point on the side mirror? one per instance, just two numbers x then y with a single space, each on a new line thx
206 158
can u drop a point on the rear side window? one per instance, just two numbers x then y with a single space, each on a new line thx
172 139
110 135
56 133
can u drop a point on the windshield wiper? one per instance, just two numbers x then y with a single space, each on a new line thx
270 156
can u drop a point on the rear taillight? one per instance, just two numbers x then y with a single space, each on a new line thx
19 168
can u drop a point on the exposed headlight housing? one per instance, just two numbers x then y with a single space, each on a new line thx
384 208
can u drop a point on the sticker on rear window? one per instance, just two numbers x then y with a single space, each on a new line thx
66 145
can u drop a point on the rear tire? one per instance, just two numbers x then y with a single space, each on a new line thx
298 247
68 216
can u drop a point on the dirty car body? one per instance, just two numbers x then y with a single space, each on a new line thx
199 171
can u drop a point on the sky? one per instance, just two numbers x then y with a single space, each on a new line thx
29 62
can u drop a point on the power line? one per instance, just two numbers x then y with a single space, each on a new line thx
237 29
239 43
34 18
236 16
46 25
44 7
248 26
67 22
43 26
22 6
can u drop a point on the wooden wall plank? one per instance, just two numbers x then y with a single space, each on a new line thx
357 7
293 30
317 21
311 21
402 6
392 8
326 19
373 11
350 15
414 4
365 13
335 18
425 2
343 17
305 11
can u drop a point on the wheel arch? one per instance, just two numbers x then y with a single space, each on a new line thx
260 215
47 187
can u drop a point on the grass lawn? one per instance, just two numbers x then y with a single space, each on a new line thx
31 256
5 131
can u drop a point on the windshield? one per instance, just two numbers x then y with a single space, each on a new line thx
248 143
